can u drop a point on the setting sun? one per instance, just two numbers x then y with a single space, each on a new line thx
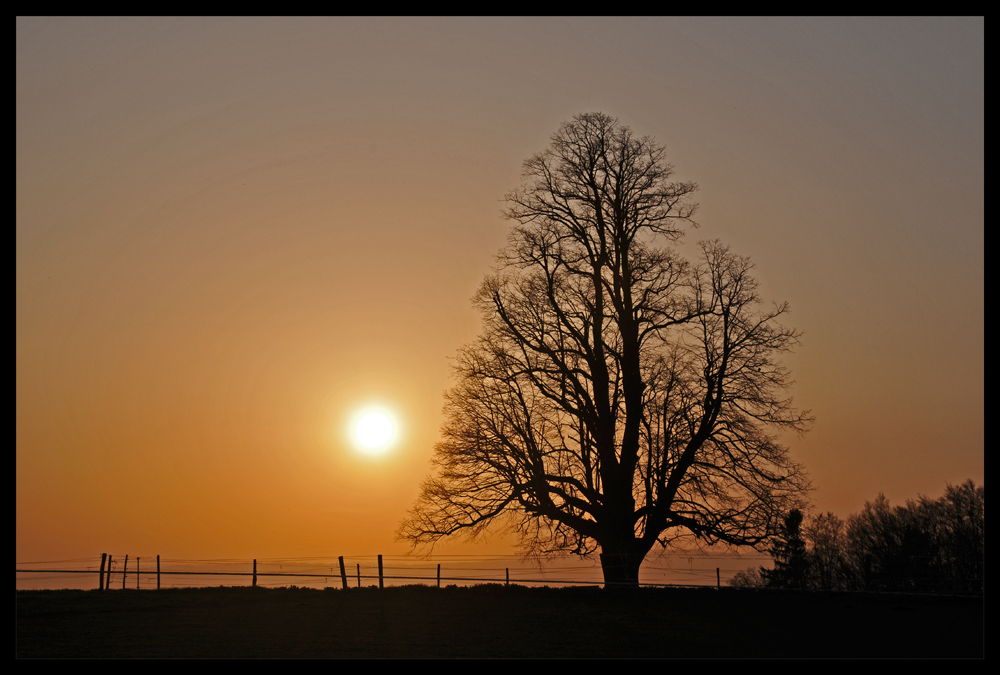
374 430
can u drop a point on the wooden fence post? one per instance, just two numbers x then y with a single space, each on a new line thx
137 573
124 570
157 572
507 583
100 577
380 570
343 572
255 573
718 580
107 583
359 575
439 575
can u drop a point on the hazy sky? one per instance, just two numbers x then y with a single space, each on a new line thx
233 233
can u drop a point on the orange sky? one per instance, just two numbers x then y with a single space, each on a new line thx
231 233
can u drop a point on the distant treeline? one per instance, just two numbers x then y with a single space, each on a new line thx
928 545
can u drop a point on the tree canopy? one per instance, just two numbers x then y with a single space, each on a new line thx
927 545
619 395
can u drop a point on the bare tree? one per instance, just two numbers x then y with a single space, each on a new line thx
926 545
619 395
825 534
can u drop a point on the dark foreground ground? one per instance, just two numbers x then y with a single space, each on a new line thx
492 621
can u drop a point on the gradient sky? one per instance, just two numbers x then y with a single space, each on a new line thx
232 233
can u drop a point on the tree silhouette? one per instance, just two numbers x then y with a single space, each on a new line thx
619 396
926 545
827 560
791 564
962 536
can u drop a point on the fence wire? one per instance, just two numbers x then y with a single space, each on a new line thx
695 569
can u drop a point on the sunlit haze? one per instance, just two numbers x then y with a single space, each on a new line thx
374 430
246 250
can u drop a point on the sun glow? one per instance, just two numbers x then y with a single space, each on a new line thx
374 430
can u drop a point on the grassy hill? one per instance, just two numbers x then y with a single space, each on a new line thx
492 622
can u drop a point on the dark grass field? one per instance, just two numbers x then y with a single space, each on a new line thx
492 622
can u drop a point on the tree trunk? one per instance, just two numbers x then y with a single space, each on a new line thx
621 568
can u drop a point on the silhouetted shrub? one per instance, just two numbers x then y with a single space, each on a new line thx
748 578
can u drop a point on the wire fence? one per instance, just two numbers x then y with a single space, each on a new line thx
152 571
